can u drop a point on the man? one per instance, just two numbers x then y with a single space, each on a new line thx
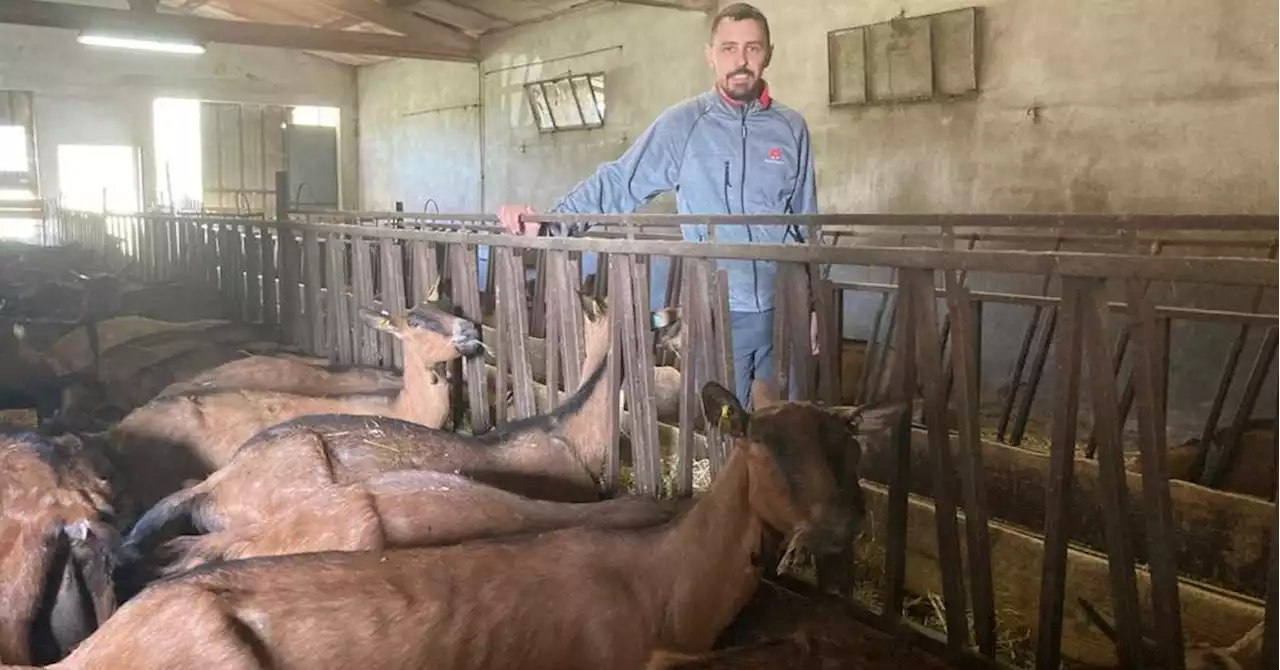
731 150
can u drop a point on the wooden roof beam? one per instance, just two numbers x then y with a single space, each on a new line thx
160 26
404 22
468 19
707 6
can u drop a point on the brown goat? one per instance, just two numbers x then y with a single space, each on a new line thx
1244 654
556 456
571 599
187 436
409 508
1252 471
289 374
790 626
54 547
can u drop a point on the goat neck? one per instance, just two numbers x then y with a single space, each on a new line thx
707 558
420 399
589 430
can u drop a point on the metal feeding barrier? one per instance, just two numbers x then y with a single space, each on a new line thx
1095 323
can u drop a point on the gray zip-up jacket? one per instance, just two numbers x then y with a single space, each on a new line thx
721 158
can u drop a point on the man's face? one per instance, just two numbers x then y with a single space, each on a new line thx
738 53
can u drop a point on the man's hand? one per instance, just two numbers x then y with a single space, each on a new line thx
509 217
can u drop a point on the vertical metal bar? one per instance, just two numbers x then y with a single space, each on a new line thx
340 321
900 473
1033 383
365 341
617 317
555 286
270 306
252 275
964 348
830 324
392 296
1058 488
929 360
689 334
537 310
315 340
782 334
1262 365
644 415
1157 503
501 293
1015 375
1111 476
517 329
465 273
1226 380
870 354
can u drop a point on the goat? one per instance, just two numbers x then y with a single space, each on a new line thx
1252 471
1244 653
409 508
570 599
55 547
557 456
188 435
129 376
782 627
290 374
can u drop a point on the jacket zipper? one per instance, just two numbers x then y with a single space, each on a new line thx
742 206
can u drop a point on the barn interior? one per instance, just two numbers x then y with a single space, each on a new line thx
1045 234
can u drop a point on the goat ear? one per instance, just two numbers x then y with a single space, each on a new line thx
593 307
871 420
378 321
719 405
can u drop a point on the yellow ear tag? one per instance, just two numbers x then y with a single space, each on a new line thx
386 323
724 419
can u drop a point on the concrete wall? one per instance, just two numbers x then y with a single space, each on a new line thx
420 135
651 59
97 96
1139 106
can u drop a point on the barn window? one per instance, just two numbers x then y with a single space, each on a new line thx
571 102
315 116
13 149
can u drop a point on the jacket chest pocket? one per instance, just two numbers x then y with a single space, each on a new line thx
771 174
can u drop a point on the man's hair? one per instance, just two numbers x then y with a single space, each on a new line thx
740 11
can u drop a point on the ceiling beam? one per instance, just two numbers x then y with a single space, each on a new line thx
406 23
159 26
686 5
143 5
466 18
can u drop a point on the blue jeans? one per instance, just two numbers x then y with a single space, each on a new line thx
752 335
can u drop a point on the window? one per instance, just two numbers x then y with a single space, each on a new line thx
13 149
179 167
572 102
315 116
94 177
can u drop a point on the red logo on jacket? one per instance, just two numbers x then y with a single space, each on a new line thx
775 154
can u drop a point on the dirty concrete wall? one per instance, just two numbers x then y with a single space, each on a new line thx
420 135
97 96
652 59
1139 106
1146 106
